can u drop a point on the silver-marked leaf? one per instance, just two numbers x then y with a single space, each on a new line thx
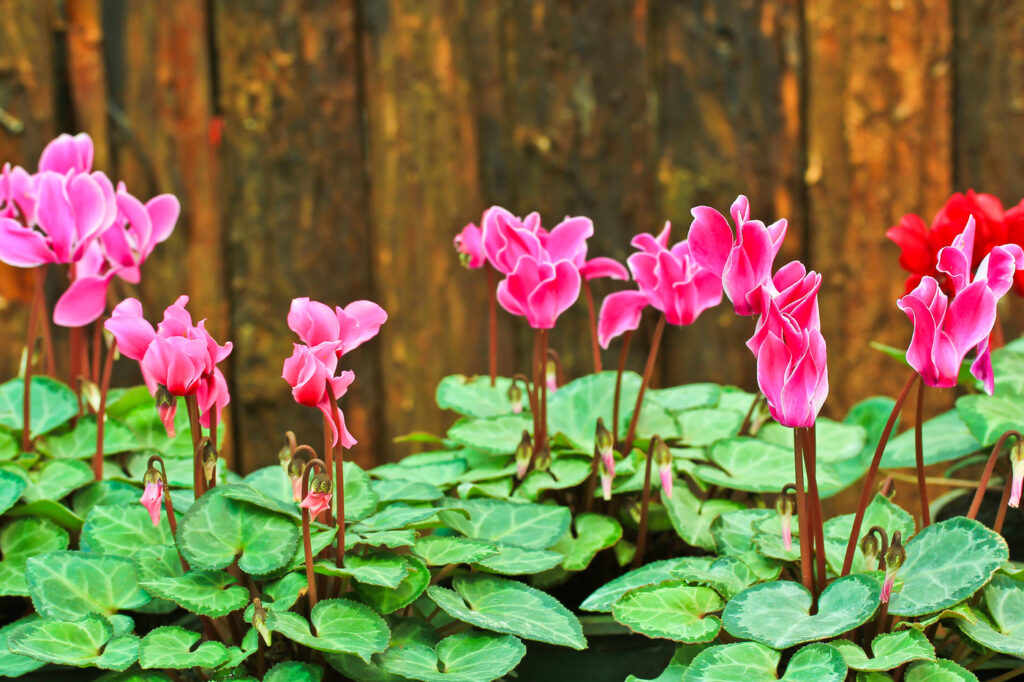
692 517
88 641
441 550
493 435
11 488
946 563
150 433
592 533
1003 629
47 509
753 465
727 575
56 479
687 396
294 671
509 607
80 442
564 472
778 613
700 427
474 396
440 472
733 533
837 441
752 662
10 447
12 664
68 585
51 404
573 410
217 530
889 650
170 646
123 530
384 538
21 539
649 574
360 498
373 568
512 560
940 670
207 593
945 437
672 610
108 492
464 657
342 627
989 416
531 526
388 600
405 491
681 659
880 512
395 517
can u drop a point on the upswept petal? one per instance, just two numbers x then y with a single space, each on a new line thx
999 267
130 329
955 260
740 210
710 239
67 153
359 322
84 301
604 267
970 317
568 240
620 312
22 247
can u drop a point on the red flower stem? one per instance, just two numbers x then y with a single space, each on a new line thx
97 459
648 370
213 443
922 487
588 500
328 457
869 481
339 487
168 505
802 517
492 326
750 413
1003 505
543 440
75 350
198 476
30 342
990 465
594 346
97 342
538 379
40 276
810 460
307 546
623 353
645 501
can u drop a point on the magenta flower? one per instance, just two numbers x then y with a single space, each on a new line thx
17 193
346 328
152 498
791 371
67 153
316 502
470 245
599 267
794 292
539 290
743 262
308 372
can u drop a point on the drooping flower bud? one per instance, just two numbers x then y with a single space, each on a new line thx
295 475
259 620
166 406
90 394
515 398
209 460
663 458
319 497
524 453
284 456
894 558
551 375
153 494
869 547
1017 473
784 506
606 480
605 443
543 460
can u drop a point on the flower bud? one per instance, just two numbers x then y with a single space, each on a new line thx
90 394
515 398
551 376
784 507
153 494
259 620
663 458
894 558
1017 473
163 397
295 476
524 453
284 456
543 460
605 442
869 546
209 459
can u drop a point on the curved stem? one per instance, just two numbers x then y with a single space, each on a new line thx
987 473
750 413
869 481
645 500
168 505
307 546
1004 504
648 370
623 353
492 326
339 487
802 516
922 486
97 459
595 347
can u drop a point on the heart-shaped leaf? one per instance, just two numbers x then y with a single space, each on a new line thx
671 610
727 575
80 442
474 396
593 532
649 574
509 607
935 578
702 427
119 493
217 530
48 509
20 540
531 526
493 435
207 593
889 650
940 670
51 402
989 416
681 659
778 613
753 465
123 530
68 585
733 532
573 410
564 472
11 488
754 662
1003 631
294 671
687 396
692 517
406 491
171 647
945 437
394 517
512 560
11 664
56 479
373 568
441 550
438 469
464 657
88 641
388 600
10 446
342 627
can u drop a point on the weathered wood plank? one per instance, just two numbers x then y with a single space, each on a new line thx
293 206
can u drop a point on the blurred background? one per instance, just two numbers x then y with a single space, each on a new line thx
333 148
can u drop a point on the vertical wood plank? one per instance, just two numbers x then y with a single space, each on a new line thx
879 146
87 76
294 208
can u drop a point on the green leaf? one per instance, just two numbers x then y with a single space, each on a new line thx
12 664
341 626
294 671
67 585
509 607
574 408
494 435
692 517
179 469
671 610
84 642
687 396
649 574
405 491
107 492
564 472
217 530
702 427
474 396
464 657
20 540
373 568
530 526
512 560
935 578
1003 631
48 509
11 488
171 647
988 417
80 442
889 650
727 575
437 471
385 538
10 447
394 517
880 512
360 498
56 479
753 465
733 533
593 532
207 593
753 662
388 600
122 530
51 404
681 659
1008 368
441 550
406 632
836 440
150 433
945 437
778 613
938 671
121 401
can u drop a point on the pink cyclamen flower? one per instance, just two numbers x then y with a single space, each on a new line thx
296 487
308 371
539 290
743 262
152 498
68 153
347 328
506 239
17 193
792 372
470 245
316 502
604 267
793 292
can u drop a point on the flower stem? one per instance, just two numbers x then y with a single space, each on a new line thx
750 414
594 346
623 353
30 342
987 473
307 546
40 275
869 481
648 370
588 500
339 487
97 342
168 505
922 486
810 460
329 453
97 459
645 500
198 476
1004 503
492 326
542 442
802 516
75 361
213 443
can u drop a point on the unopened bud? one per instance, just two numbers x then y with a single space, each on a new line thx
91 394
209 459
551 376
784 506
524 453
1016 473
869 546
663 458
163 397
894 558
259 620
543 460
604 441
515 398
151 476
284 456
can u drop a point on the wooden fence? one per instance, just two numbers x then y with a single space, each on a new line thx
332 148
